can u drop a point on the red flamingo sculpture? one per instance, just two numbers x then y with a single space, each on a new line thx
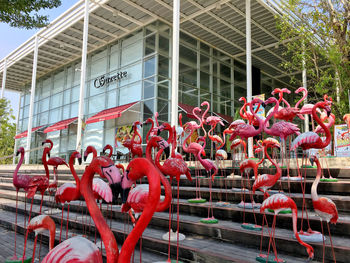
108 148
266 181
324 207
68 191
174 167
279 202
308 140
247 115
19 181
288 113
245 167
133 145
210 167
136 169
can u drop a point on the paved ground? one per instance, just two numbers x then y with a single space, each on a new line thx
7 240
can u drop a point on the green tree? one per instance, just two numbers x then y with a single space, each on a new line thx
318 31
7 131
23 13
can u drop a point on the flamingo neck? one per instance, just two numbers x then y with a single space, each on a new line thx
325 128
136 132
149 132
174 143
286 102
107 235
275 109
302 99
261 122
195 113
17 168
295 230
278 169
45 152
314 195
74 173
52 230
243 108
185 148
153 176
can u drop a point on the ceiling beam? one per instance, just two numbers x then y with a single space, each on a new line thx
90 35
106 21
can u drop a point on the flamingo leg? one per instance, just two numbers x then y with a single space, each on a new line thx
25 240
170 219
61 224
330 239
271 236
34 248
15 256
323 247
178 220
67 221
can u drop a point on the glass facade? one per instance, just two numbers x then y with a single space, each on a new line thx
204 74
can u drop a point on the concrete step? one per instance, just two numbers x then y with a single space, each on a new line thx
194 248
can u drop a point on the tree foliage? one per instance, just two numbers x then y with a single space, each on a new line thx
7 130
319 31
23 13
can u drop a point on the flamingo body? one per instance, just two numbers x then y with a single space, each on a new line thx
101 190
306 140
137 199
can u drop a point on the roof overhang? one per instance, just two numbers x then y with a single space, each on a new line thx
220 24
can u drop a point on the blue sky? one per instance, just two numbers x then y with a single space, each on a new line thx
15 37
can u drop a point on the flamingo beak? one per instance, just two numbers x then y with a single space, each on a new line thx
116 190
263 104
48 155
312 160
17 153
85 157
42 143
79 161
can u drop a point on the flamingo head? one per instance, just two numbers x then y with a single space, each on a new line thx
108 147
159 143
313 158
242 99
275 91
48 141
270 100
300 89
88 150
76 155
285 90
271 143
20 150
257 100
39 223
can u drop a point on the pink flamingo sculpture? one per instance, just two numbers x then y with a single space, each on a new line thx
308 140
19 181
136 169
319 129
346 118
279 202
288 113
247 115
245 168
68 191
193 148
281 129
324 207
266 181
75 249
209 166
246 131
174 166
307 108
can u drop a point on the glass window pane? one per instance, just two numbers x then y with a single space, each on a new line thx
148 89
75 93
56 100
132 49
58 83
26 112
163 109
44 118
70 74
163 66
163 45
67 96
148 109
77 70
96 103
55 115
74 107
114 60
130 93
112 99
150 44
98 64
134 73
66 112
149 67
45 92
163 90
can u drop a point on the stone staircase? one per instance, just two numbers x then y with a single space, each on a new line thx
226 241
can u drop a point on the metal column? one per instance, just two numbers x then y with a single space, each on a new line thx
4 78
32 95
306 116
83 75
175 63
248 65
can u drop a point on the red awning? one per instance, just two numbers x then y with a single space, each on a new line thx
25 133
226 118
60 125
109 114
